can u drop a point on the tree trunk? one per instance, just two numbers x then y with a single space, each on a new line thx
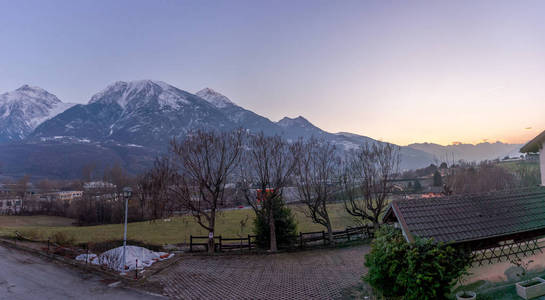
211 224
211 245
329 232
272 227
376 225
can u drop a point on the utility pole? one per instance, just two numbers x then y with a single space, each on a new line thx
127 192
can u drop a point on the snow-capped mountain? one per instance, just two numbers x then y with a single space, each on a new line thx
143 112
240 116
22 110
217 99
130 123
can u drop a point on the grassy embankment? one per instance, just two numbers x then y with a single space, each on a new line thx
230 223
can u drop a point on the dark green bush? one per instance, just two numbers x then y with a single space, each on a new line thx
420 270
285 225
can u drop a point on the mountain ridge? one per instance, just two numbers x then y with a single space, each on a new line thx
469 152
131 122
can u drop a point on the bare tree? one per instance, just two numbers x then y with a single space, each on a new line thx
486 176
46 187
88 172
317 173
153 187
21 191
366 180
205 161
117 176
266 170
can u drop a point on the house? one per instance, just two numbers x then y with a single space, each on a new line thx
10 205
495 226
493 223
68 196
535 146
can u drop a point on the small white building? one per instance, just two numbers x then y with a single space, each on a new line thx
10 205
98 185
69 195
536 145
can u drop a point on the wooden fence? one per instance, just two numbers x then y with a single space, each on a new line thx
223 244
303 240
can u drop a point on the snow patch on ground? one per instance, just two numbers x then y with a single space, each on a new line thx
113 258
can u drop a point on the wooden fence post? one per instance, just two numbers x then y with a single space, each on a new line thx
190 243
249 244
323 237
220 244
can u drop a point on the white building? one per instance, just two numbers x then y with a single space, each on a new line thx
10 205
98 185
69 195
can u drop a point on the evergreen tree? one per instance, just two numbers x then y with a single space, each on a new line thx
417 186
284 222
437 179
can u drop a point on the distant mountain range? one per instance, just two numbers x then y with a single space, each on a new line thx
469 152
130 123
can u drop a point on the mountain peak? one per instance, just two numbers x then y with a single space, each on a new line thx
23 109
123 92
215 98
33 94
26 87
298 121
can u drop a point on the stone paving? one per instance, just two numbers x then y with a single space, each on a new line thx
315 274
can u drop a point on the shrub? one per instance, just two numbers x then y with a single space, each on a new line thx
420 270
285 225
32 235
62 239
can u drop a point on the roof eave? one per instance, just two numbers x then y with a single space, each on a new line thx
534 145
404 228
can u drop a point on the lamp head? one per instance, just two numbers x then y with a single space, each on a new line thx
127 192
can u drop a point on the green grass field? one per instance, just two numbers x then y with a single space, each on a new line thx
24 221
230 223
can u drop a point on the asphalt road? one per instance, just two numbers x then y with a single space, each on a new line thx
24 276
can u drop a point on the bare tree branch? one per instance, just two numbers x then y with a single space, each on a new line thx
366 180
204 162
317 171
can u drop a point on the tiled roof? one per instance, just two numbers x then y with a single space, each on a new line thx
472 217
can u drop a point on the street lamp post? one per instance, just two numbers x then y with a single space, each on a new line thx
127 192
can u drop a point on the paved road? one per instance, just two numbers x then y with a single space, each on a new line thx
24 276
316 274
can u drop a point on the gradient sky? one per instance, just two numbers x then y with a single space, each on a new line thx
399 71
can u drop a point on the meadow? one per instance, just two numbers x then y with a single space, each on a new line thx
230 223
